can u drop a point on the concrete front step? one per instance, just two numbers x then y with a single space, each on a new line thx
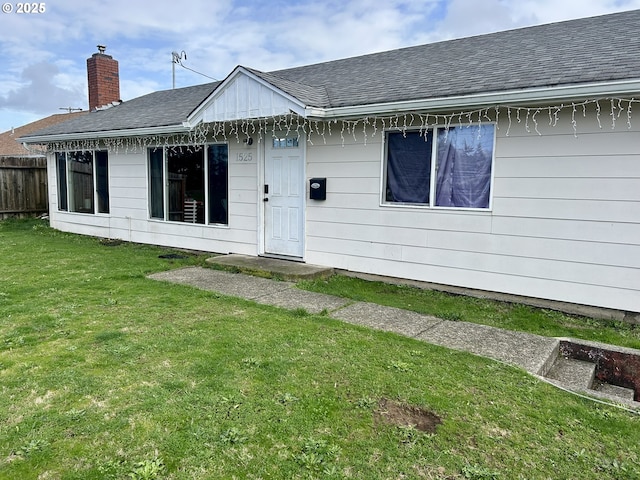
574 374
269 267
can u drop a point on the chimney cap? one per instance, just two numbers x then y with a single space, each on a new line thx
102 48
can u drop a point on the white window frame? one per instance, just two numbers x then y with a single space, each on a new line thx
94 174
433 172
165 193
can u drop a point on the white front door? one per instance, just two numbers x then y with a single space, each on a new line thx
284 196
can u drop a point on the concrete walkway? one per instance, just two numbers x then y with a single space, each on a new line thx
533 353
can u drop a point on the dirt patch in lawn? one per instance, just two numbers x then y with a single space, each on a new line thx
403 415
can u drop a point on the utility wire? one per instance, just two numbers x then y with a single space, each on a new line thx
177 58
194 71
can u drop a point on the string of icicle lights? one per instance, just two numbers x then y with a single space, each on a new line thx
609 112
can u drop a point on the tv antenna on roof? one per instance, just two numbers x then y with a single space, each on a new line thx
70 109
176 58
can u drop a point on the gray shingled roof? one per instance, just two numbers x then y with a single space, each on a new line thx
157 109
308 94
595 49
583 51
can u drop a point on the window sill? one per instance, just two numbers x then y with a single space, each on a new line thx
86 214
173 222
423 206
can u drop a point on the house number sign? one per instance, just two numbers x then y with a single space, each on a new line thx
242 157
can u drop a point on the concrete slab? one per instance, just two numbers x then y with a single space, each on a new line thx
531 352
293 298
285 269
233 284
386 318
258 289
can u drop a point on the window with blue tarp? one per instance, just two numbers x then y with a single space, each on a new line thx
452 168
408 167
463 165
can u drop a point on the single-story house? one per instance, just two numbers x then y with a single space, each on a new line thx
507 162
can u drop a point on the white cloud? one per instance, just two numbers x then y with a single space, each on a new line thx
43 55
137 87
466 18
39 92
547 11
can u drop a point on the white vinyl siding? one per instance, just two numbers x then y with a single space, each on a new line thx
565 223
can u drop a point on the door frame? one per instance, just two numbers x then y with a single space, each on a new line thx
262 207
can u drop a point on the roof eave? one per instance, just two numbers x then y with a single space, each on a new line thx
133 132
513 97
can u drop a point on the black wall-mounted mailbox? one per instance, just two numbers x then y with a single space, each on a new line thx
318 188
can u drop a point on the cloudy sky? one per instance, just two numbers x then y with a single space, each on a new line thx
43 54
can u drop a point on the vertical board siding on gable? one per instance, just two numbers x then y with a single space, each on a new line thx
565 223
243 97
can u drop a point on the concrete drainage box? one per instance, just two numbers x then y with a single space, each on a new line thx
616 367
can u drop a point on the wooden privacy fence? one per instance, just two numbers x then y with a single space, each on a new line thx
23 186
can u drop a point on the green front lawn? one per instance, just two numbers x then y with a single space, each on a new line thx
105 374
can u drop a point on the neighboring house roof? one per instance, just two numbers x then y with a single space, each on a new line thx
590 51
157 109
11 147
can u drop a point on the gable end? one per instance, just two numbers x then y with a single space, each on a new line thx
243 95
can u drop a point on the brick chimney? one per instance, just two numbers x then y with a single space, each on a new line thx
104 79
